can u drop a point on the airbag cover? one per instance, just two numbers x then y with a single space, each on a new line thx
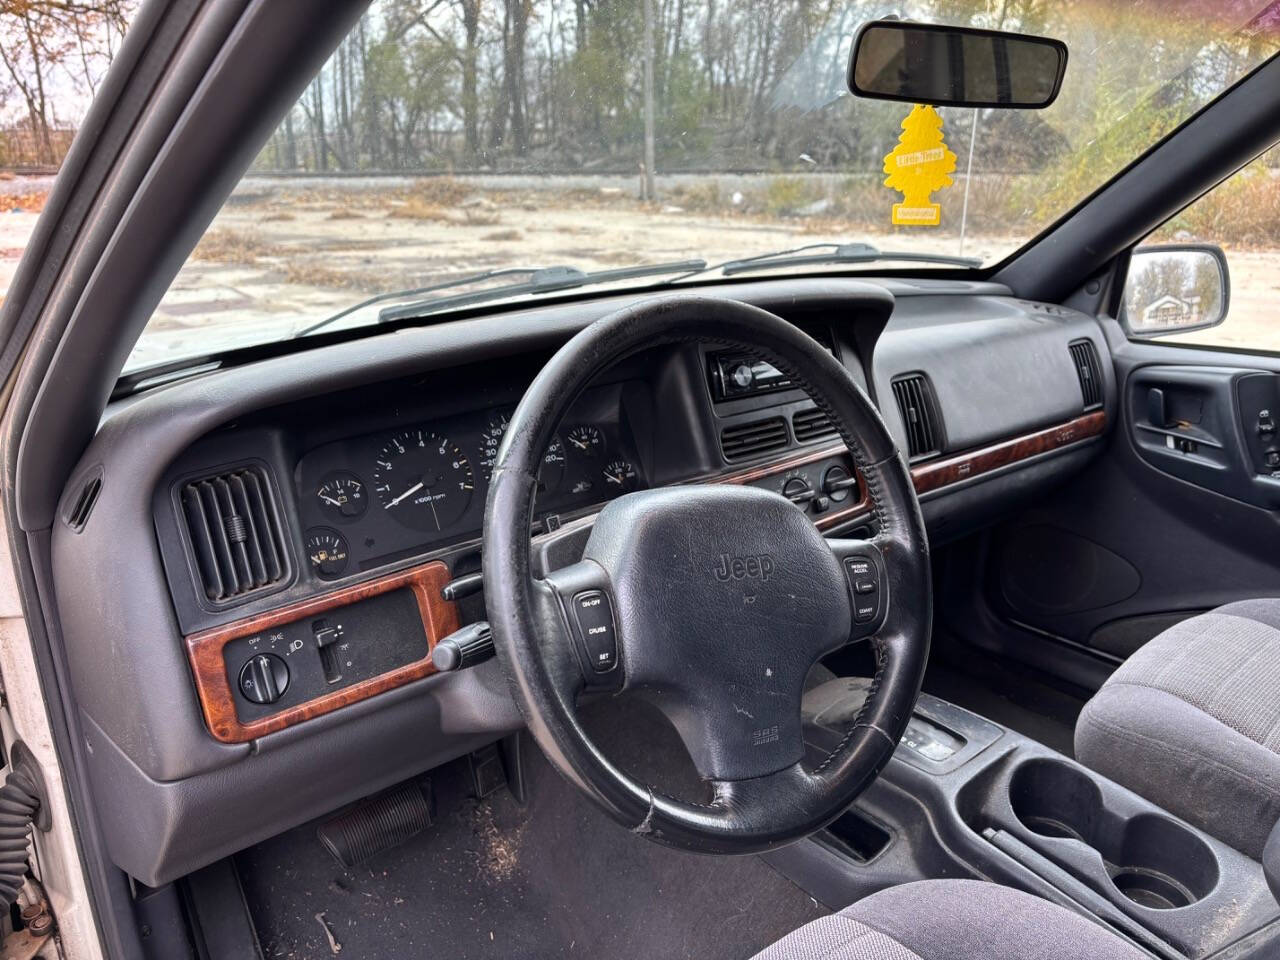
725 597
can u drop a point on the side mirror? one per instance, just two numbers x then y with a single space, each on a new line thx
1175 288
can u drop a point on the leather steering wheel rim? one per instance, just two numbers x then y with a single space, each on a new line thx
754 807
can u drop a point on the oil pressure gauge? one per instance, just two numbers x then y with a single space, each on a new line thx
585 441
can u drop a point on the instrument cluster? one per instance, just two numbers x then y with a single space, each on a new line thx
384 496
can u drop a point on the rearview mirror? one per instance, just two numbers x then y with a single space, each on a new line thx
1175 288
955 66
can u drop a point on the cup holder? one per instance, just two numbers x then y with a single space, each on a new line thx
1152 890
1154 861
1056 800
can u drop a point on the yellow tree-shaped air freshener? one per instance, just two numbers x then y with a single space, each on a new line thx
918 166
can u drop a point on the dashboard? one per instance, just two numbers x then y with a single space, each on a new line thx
269 553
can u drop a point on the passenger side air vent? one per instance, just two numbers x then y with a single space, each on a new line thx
812 424
1085 356
745 440
235 533
920 415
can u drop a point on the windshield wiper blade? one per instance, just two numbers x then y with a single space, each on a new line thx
415 292
835 253
543 280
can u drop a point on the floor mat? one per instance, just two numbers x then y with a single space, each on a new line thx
1009 696
490 879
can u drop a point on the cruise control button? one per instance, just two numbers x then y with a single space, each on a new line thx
596 628
864 578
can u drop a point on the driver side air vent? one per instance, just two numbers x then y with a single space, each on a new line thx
920 415
235 533
1085 356
745 440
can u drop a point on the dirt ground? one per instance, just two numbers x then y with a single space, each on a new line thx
283 254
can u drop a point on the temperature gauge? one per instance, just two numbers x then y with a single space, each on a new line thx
342 496
327 552
619 477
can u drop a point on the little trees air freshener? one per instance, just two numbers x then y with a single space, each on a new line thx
918 166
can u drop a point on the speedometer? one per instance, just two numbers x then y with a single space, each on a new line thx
423 479
549 476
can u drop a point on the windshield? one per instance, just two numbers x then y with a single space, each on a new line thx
448 146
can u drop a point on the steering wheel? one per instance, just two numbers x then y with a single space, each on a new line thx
713 601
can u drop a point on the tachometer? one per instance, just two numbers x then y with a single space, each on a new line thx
423 479
552 472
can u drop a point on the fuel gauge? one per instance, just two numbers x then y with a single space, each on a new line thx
342 496
327 552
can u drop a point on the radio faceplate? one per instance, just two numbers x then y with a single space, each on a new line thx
733 375
741 375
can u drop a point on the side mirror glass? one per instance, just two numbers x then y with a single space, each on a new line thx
955 66
1175 288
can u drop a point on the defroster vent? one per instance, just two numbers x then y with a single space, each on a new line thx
1085 357
920 415
745 440
235 533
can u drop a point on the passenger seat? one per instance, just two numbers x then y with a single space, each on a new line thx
1192 722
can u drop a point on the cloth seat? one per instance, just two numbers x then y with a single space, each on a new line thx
1191 721
951 920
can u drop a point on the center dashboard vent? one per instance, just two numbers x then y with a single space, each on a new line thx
811 424
1085 357
745 440
920 415
235 533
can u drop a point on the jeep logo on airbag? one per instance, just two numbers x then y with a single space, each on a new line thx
754 566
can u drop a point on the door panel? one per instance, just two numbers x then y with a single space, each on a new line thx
1210 426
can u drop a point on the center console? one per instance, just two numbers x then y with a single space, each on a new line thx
965 797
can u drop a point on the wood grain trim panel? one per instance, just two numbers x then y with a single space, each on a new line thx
213 685
941 473
779 468
937 474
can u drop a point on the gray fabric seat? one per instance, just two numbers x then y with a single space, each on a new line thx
951 920
1192 722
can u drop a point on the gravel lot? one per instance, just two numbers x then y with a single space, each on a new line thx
286 252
